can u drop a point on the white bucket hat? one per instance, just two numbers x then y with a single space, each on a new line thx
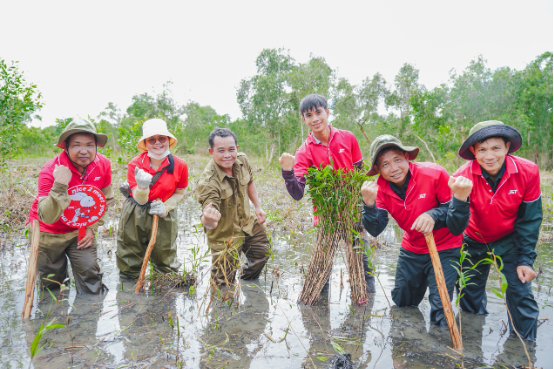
154 127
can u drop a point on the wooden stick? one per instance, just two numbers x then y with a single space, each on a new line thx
31 271
443 292
148 252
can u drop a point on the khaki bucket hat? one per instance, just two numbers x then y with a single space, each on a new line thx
383 142
81 126
489 128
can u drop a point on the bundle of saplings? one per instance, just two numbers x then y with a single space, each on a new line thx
337 200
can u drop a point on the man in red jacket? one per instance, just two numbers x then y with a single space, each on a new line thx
324 143
506 215
78 164
419 197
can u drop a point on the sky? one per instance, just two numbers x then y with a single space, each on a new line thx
84 55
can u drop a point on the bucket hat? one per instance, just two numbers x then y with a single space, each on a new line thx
81 126
154 127
489 128
384 141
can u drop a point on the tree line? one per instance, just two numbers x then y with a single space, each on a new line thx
436 119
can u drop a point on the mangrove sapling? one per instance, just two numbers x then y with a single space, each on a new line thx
337 200
35 349
462 282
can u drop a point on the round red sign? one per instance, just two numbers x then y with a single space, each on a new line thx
88 204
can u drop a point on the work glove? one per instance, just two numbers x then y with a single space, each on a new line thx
157 207
142 178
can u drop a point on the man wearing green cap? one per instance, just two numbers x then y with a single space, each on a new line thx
506 215
419 197
78 164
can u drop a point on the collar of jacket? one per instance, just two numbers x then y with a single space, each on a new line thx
221 174
385 185
63 159
312 140
511 166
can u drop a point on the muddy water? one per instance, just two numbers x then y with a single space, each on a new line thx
264 328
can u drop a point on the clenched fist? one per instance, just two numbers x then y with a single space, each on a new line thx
461 187
287 161
62 174
143 179
210 217
369 192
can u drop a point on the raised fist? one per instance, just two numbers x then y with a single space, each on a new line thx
210 217
287 161
142 178
461 187
62 174
369 192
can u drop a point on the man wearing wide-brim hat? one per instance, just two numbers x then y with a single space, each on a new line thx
506 214
419 197
156 183
79 163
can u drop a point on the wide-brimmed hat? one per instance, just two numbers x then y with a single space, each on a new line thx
154 127
81 126
384 141
489 128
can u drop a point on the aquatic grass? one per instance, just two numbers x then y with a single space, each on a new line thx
337 200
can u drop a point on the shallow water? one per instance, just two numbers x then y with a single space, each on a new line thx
265 328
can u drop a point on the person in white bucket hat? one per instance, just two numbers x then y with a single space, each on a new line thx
156 182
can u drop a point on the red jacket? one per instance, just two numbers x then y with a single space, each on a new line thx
427 188
167 184
493 214
99 174
342 147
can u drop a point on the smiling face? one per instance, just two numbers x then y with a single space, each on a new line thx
81 148
393 166
224 152
316 119
490 154
157 144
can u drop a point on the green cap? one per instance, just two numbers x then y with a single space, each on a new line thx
384 141
81 126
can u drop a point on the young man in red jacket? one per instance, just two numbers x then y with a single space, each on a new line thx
79 163
419 197
506 215
324 142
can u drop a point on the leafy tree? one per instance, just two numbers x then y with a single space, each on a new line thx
18 102
265 99
406 83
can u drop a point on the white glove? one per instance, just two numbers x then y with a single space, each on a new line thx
143 179
157 207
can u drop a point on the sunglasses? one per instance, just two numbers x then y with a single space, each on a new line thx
153 140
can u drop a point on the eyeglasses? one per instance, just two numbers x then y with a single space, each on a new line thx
153 140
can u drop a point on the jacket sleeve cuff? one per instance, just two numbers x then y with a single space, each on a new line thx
371 210
460 205
526 260
288 174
